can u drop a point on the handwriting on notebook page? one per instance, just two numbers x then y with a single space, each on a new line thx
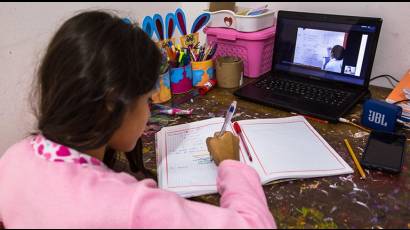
188 159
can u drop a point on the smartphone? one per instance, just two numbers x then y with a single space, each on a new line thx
384 151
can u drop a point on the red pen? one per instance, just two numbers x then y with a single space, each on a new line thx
312 118
239 132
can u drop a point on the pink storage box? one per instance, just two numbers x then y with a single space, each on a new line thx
254 48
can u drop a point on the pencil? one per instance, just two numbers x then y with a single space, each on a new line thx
359 167
359 126
344 120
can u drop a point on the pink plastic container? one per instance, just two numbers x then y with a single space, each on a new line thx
254 48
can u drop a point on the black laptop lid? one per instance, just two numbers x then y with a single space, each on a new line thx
326 47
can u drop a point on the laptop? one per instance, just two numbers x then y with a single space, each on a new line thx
321 65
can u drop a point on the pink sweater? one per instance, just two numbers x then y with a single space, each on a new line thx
35 193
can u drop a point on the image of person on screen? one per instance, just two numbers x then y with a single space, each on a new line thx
336 59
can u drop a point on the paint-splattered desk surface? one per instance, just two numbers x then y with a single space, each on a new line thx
380 201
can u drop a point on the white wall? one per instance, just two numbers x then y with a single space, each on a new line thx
27 27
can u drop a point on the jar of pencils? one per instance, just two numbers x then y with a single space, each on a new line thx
202 64
181 79
163 89
202 72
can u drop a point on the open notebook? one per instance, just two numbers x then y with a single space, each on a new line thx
281 148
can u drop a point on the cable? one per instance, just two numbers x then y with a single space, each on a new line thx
391 83
397 102
385 76
388 77
344 120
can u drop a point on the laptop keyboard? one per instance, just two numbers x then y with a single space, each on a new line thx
305 91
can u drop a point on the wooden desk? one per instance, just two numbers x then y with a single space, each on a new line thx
380 201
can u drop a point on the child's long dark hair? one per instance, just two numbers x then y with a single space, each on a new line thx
95 67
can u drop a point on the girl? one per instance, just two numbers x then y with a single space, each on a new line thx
94 84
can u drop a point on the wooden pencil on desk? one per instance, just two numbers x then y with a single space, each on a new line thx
359 167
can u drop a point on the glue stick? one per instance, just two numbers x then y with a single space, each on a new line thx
206 87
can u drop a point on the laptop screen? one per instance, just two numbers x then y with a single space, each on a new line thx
326 49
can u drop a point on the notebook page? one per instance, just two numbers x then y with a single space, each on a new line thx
290 148
185 165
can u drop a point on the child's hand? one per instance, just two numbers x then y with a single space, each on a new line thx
222 148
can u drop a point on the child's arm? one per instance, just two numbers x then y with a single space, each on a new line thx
243 204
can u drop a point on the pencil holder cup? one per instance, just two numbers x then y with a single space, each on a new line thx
181 79
163 89
229 72
202 72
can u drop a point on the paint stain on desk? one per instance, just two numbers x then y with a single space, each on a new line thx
361 204
360 134
304 187
314 216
